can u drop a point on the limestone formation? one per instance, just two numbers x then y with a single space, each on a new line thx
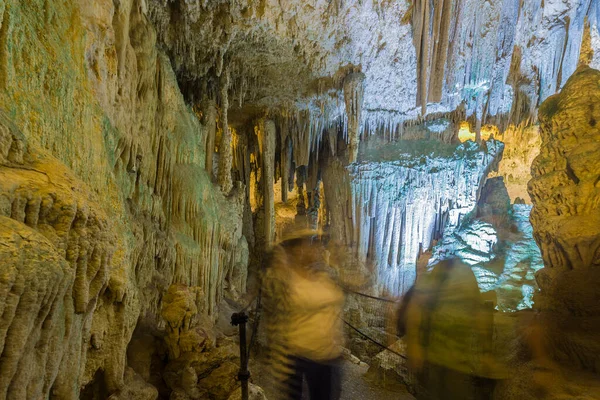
266 137
104 197
391 207
225 151
210 122
497 242
500 59
566 218
180 312
353 97
521 147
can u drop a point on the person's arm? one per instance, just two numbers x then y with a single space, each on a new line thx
415 350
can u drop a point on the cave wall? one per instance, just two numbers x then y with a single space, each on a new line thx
104 197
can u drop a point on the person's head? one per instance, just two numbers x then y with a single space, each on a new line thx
303 248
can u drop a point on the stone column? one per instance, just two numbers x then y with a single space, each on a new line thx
353 97
210 122
225 153
300 180
267 134
286 161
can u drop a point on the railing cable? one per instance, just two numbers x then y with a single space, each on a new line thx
373 340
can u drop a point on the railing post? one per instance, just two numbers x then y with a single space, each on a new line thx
240 319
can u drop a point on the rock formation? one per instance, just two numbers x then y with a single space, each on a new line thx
104 197
497 241
353 96
566 219
225 151
501 59
394 205
521 147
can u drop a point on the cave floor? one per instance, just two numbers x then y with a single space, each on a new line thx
355 386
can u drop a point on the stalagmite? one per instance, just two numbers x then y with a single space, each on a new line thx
210 122
300 180
225 152
353 97
267 138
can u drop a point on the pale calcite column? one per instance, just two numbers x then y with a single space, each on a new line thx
267 132
225 152
286 159
300 180
210 122
353 97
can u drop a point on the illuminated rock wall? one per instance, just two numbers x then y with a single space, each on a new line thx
396 208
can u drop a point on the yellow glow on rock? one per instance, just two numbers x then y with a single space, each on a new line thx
487 131
464 133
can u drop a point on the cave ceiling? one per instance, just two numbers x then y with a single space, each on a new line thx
489 58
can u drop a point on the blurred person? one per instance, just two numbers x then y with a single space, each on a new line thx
448 335
302 308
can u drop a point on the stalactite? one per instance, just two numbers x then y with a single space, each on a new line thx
301 136
441 31
337 191
353 97
313 184
421 38
332 135
431 40
225 152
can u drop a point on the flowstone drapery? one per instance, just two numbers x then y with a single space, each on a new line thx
394 210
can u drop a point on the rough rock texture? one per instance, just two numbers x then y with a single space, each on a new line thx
565 191
353 98
104 197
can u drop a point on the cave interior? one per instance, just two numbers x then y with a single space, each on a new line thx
153 151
